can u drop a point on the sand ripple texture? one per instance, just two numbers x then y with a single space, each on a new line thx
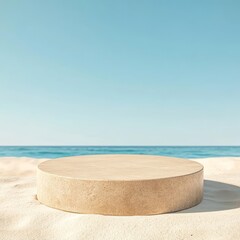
23 217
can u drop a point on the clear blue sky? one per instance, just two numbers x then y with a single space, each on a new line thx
120 72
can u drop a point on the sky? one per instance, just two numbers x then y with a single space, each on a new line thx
120 72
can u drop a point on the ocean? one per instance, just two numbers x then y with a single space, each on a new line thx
174 151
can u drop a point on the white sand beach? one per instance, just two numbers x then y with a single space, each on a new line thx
23 217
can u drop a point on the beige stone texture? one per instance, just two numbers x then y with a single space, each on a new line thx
120 184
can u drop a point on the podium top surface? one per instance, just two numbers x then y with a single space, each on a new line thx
119 167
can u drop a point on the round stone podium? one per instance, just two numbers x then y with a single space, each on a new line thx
120 184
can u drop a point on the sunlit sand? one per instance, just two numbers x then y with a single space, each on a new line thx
23 217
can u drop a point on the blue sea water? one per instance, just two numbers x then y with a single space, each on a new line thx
174 151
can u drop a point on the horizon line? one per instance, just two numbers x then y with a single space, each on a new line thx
119 145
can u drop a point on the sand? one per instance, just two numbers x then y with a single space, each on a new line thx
23 217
